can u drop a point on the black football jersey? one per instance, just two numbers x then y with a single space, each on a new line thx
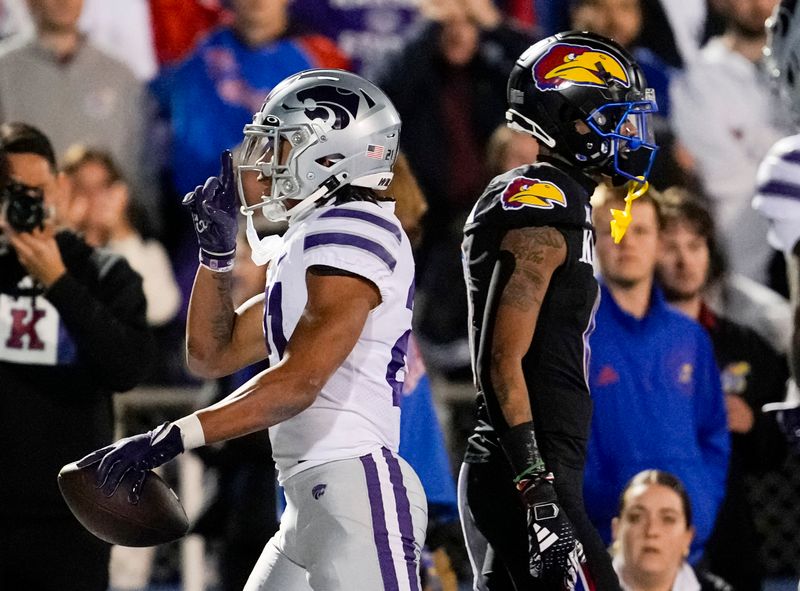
542 194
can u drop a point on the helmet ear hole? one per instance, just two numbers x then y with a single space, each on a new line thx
329 160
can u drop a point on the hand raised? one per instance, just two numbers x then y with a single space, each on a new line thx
214 208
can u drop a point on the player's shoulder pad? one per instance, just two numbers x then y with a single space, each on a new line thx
353 232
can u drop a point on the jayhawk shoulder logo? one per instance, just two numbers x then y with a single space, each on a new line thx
525 192
566 64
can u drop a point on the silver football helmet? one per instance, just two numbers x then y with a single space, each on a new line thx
318 130
782 53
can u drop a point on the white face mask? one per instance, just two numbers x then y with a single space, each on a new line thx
263 250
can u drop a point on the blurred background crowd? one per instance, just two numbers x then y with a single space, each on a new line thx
140 96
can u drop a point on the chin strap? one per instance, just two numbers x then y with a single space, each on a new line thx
623 218
263 250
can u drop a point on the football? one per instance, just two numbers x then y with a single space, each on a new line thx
157 518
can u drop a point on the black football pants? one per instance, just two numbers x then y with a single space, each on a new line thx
487 495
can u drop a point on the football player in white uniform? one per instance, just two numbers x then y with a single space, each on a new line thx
778 189
334 323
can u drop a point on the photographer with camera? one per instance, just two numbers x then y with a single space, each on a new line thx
72 332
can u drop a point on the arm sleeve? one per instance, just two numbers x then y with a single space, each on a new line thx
108 325
500 276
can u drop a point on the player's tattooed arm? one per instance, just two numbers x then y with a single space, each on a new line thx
219 339
528 259
222 319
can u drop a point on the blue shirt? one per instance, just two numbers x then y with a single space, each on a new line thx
657 404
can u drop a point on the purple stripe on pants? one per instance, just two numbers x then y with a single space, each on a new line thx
403 517
379 524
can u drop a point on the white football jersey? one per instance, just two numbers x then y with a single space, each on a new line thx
778 192
357 411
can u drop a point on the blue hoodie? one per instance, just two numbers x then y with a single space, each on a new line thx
657 404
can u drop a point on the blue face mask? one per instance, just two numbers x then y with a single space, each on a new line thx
628 127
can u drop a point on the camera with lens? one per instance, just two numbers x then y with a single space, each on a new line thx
22 207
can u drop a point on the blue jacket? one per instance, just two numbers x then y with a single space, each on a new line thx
657 404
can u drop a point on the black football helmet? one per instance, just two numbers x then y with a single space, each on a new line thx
578 77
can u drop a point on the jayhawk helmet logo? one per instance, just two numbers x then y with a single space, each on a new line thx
565 64
525 192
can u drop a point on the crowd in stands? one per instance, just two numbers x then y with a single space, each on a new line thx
139 97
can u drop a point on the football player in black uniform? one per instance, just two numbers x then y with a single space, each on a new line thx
528 249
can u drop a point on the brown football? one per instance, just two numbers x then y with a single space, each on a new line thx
157 518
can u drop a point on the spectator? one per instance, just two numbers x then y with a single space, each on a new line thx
447 96
752 374
509 149
653 378
652 535
115 221
73 333
679 43
127 38
365 31
61 82
728 143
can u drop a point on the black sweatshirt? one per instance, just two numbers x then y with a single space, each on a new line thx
63 353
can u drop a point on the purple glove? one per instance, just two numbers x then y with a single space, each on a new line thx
214 207
139 453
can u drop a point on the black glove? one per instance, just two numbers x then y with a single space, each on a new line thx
214 207
139 453
554 550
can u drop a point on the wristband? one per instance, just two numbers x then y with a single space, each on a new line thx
219 262
519 444
192 434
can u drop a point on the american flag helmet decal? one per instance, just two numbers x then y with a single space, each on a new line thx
375 152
